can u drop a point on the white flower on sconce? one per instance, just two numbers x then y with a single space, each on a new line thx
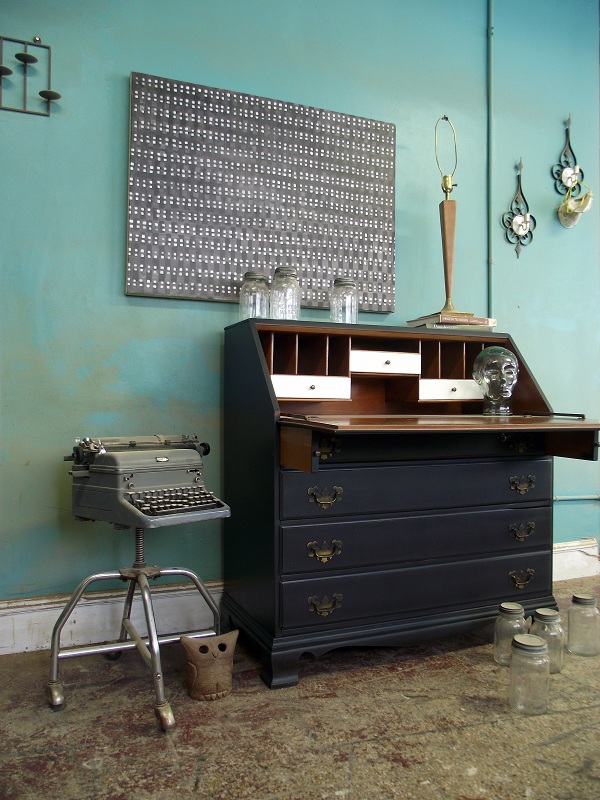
521 224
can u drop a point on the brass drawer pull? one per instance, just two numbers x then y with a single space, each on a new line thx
521 578
326 552
522 531
523 484
325 606
323 497
328 446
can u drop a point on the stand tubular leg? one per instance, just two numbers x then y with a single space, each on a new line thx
162 709
187 573
127 608
54 687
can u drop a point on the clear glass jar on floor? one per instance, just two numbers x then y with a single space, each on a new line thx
509 622
285 294
546 624
529 674
584 626
254 296
343 301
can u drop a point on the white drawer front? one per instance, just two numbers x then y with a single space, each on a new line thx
448 389
381 362
311 387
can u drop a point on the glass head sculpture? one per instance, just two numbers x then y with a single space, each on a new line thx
496 370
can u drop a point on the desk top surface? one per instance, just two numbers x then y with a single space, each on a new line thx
365 423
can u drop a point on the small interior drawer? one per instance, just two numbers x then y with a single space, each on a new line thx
449 389
385 362
312 387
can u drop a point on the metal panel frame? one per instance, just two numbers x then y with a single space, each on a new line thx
222 182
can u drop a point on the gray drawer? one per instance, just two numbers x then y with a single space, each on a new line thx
343 544
414 487
401 593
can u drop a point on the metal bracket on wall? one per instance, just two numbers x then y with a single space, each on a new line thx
567 173
30 79
518 223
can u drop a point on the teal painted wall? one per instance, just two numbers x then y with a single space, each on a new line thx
81 358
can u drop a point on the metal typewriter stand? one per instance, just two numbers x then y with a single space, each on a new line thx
149 647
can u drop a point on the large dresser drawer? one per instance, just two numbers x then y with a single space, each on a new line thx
414 487
345 544
420 590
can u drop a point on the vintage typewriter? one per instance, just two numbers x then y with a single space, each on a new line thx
142 481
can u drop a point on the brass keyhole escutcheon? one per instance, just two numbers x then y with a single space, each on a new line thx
324 606
523 484
325 552
328 446
521 577
325 498
521 531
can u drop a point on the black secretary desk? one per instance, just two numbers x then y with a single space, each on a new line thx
372 503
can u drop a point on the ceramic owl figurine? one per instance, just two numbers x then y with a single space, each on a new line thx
209 665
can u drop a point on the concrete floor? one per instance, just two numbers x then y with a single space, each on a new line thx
425 721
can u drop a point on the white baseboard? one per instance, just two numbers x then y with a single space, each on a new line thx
27 624
576 559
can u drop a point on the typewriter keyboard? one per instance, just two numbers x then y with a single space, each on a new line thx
174 500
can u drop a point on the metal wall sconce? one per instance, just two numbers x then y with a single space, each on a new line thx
568 180
518 223
567 173
21 93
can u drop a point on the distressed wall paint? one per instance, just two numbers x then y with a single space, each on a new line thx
81 358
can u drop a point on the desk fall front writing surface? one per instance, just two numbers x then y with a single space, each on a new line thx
368 515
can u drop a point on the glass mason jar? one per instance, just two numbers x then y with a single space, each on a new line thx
254 296
343 301
546 624
584 626
529 674
285 294
509 622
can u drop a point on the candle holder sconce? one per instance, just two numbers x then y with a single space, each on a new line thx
30 79
567 173
568 180
518 222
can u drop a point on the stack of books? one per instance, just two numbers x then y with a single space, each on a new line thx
459 322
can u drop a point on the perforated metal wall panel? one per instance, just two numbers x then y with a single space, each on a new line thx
222 182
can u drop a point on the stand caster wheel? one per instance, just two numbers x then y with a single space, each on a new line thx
55 694
115 655
164 715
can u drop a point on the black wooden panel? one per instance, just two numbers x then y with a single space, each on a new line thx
411 537
414 487
388 446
